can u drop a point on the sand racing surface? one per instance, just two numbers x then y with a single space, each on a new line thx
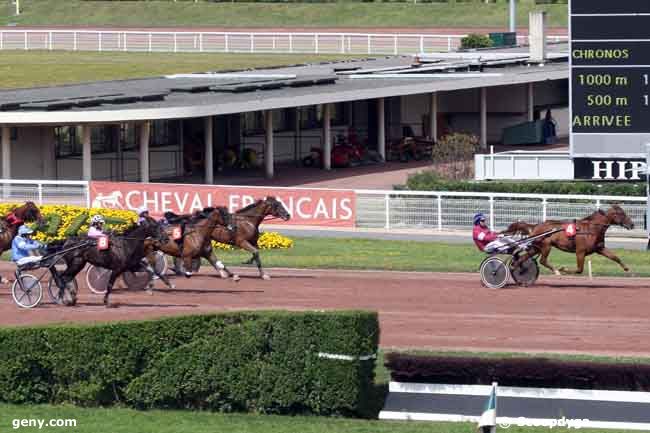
416 310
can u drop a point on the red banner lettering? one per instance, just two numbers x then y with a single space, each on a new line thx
313 207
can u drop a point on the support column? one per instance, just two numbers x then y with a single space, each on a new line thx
327 137
483 139
381 128
145 130
86 153
531 102
297 142
433 117
6 152
209 159
268 144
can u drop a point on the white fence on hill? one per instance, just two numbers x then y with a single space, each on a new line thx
233 42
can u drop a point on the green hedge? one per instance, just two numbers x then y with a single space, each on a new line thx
429 181
521 372
250 361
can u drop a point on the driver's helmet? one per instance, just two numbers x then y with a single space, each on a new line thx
97 220
142 210
24 230
478 218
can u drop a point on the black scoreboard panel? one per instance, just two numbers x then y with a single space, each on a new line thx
610 77
609 6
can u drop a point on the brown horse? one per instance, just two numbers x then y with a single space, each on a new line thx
28 212
589 238
247 222
197 240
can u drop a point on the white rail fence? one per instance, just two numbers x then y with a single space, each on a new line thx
232 42
454 210
398 209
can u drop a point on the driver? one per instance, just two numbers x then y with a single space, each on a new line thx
484 238
96 229
143 214
22 245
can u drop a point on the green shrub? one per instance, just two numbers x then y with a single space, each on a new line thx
262 361
431 181
475 40
454 155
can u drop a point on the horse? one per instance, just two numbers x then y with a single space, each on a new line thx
9 224
589 238
246 233
197 239
124 253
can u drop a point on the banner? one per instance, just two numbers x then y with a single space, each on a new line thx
312 207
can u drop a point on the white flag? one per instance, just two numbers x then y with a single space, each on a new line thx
488 421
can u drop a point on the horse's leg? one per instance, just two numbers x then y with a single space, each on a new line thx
109 288
610 255
543 258
256 257
580 261
218 265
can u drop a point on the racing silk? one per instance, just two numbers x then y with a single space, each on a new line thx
13 220
483 236
20 247
94 232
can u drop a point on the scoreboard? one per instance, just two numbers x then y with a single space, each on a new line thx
610 85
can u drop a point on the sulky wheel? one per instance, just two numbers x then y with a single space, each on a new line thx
27 291
59 297
526 273
136 280
160 263
97 279
494 273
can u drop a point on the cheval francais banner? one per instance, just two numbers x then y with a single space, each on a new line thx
309 207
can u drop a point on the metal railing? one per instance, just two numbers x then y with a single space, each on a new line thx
231 42
398 209
45 191
454 210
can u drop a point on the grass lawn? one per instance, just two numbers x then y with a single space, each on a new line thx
340 14
26 69
130 421
414 256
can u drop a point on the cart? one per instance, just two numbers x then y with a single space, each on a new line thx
97 277
519 263
27 290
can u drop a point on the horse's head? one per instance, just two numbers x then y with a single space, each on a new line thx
276 208
154 230
616 215
518 228
218 215
29 212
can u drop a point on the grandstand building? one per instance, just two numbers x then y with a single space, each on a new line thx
166 127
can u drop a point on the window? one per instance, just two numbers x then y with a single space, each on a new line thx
101 139
164 133
67 141
253 122
129 136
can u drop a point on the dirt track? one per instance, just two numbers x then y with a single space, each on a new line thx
417 310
